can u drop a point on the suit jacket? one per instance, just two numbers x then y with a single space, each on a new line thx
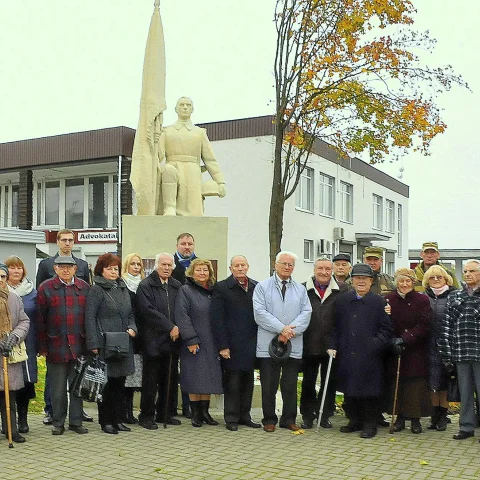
46 271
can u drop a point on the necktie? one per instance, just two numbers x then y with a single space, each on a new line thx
284 288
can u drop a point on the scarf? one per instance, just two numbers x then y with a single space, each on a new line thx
439 291
185 261
132 281
23 288
5 320
403 295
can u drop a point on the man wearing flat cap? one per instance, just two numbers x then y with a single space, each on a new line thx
430 256
382 282
60 327
341 268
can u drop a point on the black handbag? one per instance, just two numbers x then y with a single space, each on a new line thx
91 380
117 345
453 392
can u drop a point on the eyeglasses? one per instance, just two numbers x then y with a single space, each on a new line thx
67 240
286 264
2 277
436 277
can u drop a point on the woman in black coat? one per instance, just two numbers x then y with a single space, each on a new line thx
200 372
108 309
438 285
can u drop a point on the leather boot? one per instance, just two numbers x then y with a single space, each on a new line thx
169 196
129 417
22 411
442 419
207 418
197 417
434 419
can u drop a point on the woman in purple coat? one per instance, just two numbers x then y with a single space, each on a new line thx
411 317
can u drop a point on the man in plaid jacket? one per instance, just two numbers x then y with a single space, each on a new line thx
60 326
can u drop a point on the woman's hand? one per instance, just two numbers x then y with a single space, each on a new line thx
131 332
193 348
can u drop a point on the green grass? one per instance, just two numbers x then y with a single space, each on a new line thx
36 404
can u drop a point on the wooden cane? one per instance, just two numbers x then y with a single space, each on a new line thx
392 421
7 401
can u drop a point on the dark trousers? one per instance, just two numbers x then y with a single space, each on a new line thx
47 398
111 410
362 411
309 399
270 372
60 375
155 378
238 393
13 412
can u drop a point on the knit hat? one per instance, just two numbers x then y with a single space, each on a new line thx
4 268
405 272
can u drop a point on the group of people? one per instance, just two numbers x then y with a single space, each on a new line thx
389 344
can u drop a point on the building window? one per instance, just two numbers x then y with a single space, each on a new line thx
74 207
308 252
389 216
377 212
346 202
98 202
9 205
399 230
390 263
304 192
38 220
327 195
52 203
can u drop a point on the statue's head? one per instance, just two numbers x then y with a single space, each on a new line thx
184 108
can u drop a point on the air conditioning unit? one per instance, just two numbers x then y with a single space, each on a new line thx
338 233
324 247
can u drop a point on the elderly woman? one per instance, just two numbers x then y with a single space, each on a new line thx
438 284
109 309
200 372
14 325
24 287
133 274
411 318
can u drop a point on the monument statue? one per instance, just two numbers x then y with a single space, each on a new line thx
182 147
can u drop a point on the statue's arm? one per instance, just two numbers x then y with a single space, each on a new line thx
211 163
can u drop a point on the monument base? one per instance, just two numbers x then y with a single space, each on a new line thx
148 235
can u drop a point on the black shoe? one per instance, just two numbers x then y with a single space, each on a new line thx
442 419
186 412
416 426
350 428
233 427
23 426
306 425
80 429
381 422
368 433
47 419
325 423
197 413
462 435
399 424
122 428
250 423
110 429
148 424
86 417
173 421
58 430
130 419
17 438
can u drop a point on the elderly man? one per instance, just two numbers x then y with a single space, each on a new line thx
382 283
60 327
184 145
430 256
322 290
282 309
235 333
159 334
341 267
459 344
362 333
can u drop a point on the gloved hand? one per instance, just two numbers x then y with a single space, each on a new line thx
397 346
9 343
449 366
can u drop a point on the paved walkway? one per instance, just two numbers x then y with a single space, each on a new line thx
215 453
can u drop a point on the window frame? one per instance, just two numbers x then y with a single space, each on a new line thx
346 200
326 188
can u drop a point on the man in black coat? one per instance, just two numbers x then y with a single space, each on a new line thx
159 333
235 333
184 255
322 290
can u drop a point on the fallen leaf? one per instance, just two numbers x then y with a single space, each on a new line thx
391 439
423 462
298 432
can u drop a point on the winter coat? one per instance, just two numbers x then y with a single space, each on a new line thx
233 323
46 271
109 309
199 373
60 319
361 335
156 307
420 272
273 313
382 284
20 325
30 366
411 318
179 270
459 333
317 335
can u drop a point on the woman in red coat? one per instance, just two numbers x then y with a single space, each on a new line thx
411 317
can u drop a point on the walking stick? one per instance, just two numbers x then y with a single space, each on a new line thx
7 400
169 381
392 421
327 377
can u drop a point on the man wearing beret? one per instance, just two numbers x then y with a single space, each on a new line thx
382 282
341 268
60 327
430 256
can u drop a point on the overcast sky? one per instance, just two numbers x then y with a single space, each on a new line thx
73 66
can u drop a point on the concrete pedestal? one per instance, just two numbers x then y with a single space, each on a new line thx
149 235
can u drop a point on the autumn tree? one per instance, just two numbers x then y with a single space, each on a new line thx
348 72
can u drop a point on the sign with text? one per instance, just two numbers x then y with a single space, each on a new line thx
97 236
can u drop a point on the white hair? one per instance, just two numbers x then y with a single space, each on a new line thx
323 259
473 260
235 256
285 252
163 254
